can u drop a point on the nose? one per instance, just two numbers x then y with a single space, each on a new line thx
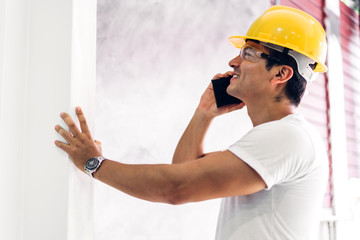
235 62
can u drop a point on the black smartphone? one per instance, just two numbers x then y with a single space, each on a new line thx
222 98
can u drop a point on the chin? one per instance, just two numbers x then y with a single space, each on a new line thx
230 91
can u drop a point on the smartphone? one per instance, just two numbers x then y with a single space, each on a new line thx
222 98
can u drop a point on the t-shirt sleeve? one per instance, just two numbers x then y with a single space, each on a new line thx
278 152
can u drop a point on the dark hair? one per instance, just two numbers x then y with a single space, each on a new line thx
296 85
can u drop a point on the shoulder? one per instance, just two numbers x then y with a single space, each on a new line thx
280 150
292 132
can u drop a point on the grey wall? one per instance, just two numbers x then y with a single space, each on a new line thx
154 60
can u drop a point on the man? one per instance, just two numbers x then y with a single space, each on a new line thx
273 179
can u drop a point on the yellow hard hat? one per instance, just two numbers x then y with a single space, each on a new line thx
289 28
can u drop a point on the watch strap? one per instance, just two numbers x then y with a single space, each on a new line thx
91 171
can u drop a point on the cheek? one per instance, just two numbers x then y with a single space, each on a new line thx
248 74
255 73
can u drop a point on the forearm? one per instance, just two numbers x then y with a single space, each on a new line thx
190 146
154 183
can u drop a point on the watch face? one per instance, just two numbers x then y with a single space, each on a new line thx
92 163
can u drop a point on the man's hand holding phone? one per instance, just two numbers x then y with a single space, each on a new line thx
215 100
222 98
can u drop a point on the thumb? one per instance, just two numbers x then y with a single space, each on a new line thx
98 145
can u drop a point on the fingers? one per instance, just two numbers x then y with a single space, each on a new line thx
70 123
83 124
63 146
65 134
221 75
73 129
234 107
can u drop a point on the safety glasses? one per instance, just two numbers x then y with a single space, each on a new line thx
250 53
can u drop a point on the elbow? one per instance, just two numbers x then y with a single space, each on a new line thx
174 200
175 186
175 195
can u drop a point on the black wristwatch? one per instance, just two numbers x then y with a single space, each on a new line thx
93 164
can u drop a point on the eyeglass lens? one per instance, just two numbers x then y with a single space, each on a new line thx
248 53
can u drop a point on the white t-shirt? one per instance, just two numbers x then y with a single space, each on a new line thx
290 156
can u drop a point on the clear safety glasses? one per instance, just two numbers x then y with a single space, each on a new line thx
305 65
249 53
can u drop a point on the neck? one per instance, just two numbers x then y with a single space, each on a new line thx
261 113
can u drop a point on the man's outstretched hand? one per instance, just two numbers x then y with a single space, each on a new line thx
80 145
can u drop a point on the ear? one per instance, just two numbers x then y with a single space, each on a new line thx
282 74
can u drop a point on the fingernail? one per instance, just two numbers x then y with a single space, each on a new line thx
62 114
57 127
78 109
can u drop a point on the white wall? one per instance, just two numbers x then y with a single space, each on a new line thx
154 60
47 65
